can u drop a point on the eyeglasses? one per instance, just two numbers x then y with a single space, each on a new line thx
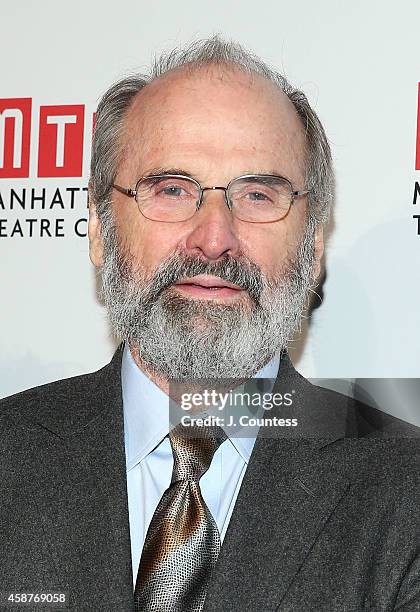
255 198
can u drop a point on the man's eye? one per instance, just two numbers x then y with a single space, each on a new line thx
257 196
172 190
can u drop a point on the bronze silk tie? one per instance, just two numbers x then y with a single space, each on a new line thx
182 543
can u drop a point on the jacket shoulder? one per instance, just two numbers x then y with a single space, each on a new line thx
70 399
368 419
364 419
57 395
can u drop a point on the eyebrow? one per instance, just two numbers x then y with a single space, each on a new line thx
176 171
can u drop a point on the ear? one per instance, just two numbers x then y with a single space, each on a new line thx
96 248
318 251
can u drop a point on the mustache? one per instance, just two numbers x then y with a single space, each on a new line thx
242 272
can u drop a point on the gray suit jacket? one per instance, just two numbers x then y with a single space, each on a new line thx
327 518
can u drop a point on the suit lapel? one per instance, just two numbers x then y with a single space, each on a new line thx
291 487
82 498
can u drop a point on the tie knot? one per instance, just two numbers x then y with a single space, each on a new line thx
193 448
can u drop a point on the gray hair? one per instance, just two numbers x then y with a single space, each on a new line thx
112 108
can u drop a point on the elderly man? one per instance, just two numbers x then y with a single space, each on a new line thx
211 180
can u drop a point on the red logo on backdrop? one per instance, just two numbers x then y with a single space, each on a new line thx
60 143
15 137
60 150
418 131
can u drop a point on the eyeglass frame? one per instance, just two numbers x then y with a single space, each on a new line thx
133 192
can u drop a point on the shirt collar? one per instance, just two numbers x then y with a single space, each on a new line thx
146 420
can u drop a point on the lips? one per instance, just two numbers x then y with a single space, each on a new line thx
206 284
209 282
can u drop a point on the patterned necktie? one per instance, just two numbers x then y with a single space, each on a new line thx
182 543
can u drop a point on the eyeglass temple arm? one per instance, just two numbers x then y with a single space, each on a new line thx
298 194
128 192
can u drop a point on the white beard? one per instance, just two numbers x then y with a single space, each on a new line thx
186 338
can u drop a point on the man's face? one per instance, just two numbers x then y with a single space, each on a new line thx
215 125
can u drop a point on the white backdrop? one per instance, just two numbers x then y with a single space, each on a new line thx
359 64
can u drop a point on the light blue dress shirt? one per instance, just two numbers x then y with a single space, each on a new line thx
149 455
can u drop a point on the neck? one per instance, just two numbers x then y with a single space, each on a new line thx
160 381
175 390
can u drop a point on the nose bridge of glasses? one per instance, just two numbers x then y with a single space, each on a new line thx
224 189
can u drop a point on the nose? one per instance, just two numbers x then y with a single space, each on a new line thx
212 227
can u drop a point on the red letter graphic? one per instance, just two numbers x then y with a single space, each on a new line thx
418 133
60 150
15 137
